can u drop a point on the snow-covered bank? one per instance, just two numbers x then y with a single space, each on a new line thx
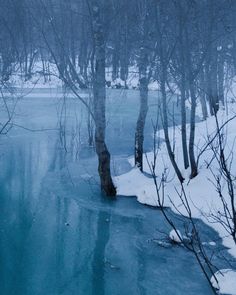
203 198
49 78
226 281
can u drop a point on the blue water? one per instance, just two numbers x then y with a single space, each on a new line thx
58 235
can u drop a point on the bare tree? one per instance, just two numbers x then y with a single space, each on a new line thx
98 108
224 177
143 84
165 48
99 98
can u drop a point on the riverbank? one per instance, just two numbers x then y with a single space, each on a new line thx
201 191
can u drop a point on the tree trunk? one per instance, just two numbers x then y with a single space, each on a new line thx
183 128
211 83
124 51
183 97
143 109
220 71
165 127
203 96
193 164
163 79
99 93
115 61
214 84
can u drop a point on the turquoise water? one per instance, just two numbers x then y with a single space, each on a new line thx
58 234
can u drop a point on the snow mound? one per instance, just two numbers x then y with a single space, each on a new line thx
226 281
175 236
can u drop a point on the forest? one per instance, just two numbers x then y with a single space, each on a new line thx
117 147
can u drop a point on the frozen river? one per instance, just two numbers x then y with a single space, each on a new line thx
58 235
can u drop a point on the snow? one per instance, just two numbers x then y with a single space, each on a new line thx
226 281
153 86
175 236
50 79
201 191
38 80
